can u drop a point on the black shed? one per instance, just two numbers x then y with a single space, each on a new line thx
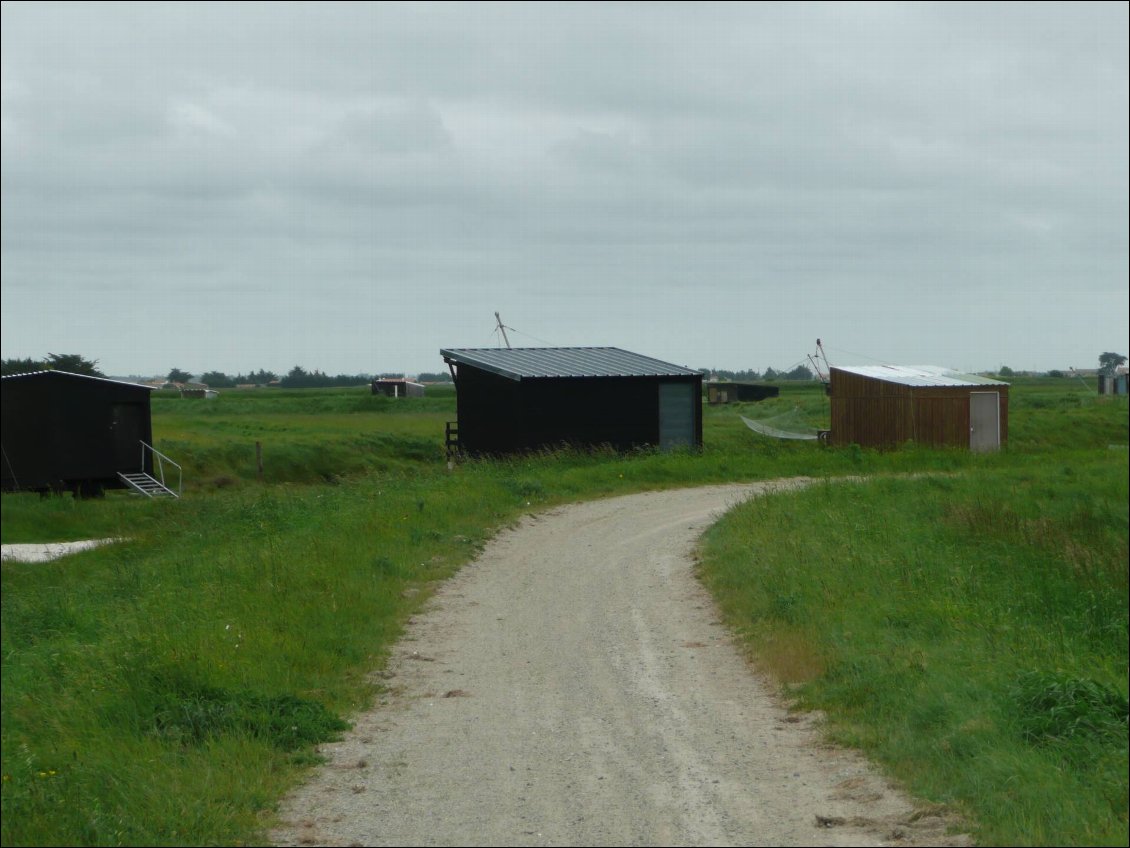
726 392
69 431
528 398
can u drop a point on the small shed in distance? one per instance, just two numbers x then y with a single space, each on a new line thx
397 388
70 431
199 392
724 392
1113 384
524 399
888 405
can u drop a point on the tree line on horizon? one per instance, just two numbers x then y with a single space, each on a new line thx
800 372
72 363
297 378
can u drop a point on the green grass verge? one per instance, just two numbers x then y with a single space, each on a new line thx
969 631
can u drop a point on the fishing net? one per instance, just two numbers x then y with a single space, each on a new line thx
788 425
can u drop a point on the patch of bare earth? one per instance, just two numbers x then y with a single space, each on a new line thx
573 686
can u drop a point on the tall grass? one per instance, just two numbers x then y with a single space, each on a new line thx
300 435
168 690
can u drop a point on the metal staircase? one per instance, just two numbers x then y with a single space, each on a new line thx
146 484
143 484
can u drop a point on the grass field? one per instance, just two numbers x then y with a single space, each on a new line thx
968 631
967 626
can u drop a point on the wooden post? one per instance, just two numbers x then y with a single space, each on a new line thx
259 459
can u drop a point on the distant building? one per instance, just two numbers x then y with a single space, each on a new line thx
198 390
725 392
888 405
397 388
526 399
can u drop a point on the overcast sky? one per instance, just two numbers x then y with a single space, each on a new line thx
351 187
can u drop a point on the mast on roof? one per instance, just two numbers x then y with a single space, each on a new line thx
502 329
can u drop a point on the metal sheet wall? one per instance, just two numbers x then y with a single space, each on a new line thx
498 415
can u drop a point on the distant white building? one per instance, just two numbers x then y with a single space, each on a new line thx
397 388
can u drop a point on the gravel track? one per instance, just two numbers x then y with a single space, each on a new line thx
573 686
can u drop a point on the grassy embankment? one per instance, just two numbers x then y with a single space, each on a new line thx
169 689
968 631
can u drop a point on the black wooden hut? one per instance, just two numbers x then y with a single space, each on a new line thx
726 392
69 431
523 399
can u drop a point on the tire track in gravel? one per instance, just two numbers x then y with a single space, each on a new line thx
573 686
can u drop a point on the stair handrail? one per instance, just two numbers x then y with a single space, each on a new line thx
161 460
451 439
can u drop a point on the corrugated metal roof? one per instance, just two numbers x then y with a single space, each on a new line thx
79 376
529 362
919 375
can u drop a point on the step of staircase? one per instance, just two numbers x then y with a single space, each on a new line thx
143 484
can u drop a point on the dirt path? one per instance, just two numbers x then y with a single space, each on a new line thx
573 686
48 551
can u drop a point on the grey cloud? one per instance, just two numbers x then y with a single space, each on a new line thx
559 156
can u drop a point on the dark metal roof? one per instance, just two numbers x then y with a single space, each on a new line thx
530 362
56 374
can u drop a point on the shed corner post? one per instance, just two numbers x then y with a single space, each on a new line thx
451 433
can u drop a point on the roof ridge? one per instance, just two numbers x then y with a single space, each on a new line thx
565 362
73 374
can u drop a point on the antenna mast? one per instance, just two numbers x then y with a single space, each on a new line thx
814 359
502 329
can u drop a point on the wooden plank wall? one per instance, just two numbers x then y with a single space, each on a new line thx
877 413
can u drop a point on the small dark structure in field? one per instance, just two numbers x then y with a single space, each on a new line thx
1112 384
69 431
529 398
397 388
887 405
199 393
723 392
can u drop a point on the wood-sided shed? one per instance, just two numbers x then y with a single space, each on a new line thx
888 405
512 400
70 431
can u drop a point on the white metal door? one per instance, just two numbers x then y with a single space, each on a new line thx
984 421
